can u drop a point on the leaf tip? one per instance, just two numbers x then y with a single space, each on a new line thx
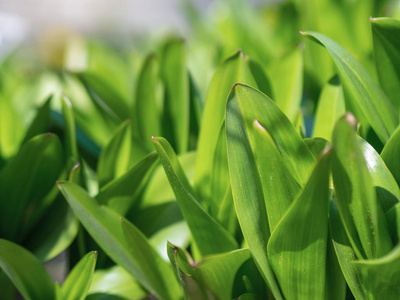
258 125
371 19
351 119
302 32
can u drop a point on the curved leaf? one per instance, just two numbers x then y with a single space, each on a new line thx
25 271
297 247
210 237
363 96
385 32
78 281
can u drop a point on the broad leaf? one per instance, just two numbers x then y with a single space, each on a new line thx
78 281
147 113
120 193
175 77
363 96
41 121
330 108
69 129
230 71
26 181
210 237
25 271
361 214
297 247
391 155
115 157
385 33
105 228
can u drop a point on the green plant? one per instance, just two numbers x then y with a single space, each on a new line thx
242 204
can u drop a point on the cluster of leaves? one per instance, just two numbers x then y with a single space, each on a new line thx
242 204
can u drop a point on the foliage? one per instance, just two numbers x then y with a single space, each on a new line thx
274 178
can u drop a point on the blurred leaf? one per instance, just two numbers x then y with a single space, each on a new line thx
297 247
54 233
115 157
26 180
41 121
230 71
393 220
147 113
345 254
105 228
25 271
360 212
385 32
77 283
363 96
69 129
114 282
316 146
287 82
105 96
200 223
261 78
330 108
120 193
175 76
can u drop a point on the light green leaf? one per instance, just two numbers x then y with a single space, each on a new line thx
390 155
330 108
387 190
41 121
27 184
115 157
114 282
69 129
297 247
77 283
157 271
120 193
230 71
287 82
381 275
105 228
25 271
385 32
175 77
363 96
345 254
147 113
210 237
361 214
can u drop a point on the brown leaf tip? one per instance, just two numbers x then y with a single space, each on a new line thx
351 119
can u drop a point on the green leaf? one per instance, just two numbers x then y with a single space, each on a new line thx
26 181
381 276
120 193
147 113
330 108
157 271
200 223
360 212
385 32
25 271
114 282
105 96
261 78
54 233
115 157
41 121
345 254
287 82
77 283
387 190
363 96
297 247
105 228
390 155
69 124
278 185
175 77
230 71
